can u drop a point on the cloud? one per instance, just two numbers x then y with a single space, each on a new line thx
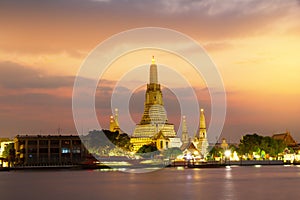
39 27
207 19
34 100
217 46
32 111
35 113
72 26
15 76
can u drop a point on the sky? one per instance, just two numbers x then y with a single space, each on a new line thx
254 44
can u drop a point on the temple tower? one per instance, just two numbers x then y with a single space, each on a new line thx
114 122
184 133
202 126
154 122
154 112
201 136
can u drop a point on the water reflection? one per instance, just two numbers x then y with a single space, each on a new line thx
228 189
273 182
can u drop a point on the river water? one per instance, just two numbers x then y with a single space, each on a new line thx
255 182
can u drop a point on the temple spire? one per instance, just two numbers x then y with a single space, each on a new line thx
117 117
201 138
153 72
202 126
114 122
185 135
202 119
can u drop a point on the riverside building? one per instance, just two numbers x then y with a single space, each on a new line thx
49 150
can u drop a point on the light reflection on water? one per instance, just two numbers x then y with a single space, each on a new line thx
234 183
228 189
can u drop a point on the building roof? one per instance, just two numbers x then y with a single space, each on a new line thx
159 135
47 137
286 137
189 146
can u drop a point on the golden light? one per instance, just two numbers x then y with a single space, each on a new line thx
227 153
153 60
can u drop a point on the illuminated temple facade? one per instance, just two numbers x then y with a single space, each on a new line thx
154 126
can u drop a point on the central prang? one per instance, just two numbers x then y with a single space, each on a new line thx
154 124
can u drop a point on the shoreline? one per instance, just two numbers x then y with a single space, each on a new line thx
231 163
184 164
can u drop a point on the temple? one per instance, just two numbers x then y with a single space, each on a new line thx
154 126
114 122
198 146
200 138
184 133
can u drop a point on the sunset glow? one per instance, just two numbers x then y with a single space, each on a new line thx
255 45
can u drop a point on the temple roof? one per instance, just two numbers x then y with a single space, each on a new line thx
286 137
159 135
189 146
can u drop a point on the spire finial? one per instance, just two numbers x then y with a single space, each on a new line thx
153 72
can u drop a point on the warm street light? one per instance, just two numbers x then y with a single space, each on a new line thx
227 153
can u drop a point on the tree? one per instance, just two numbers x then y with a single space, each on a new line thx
249 144
104 141
148 150
277 147
256 144
233 148
8 150
215 152
10 154
172 152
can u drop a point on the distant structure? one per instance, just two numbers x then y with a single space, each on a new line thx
154 126
49 150
288 140
200 138
114 122
224 145
184 133
198 147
